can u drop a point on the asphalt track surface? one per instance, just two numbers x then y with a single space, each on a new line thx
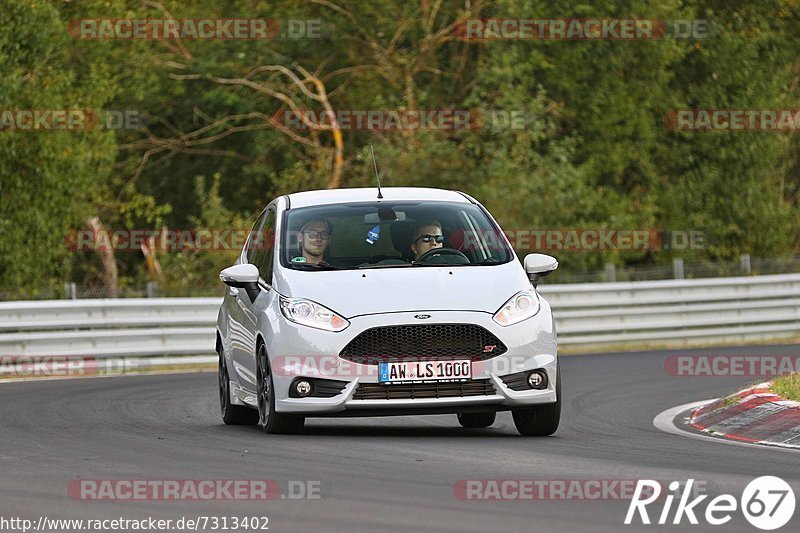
375 473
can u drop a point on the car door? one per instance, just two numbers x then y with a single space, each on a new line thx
240 332
263 255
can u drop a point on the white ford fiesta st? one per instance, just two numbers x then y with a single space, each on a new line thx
370 302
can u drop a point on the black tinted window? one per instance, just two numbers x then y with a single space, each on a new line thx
390 234
264 247
253 240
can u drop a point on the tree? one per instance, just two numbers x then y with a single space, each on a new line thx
47 178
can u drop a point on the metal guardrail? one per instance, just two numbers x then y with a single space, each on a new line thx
109 327
674 313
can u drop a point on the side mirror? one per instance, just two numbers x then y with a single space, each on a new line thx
538 266
244 276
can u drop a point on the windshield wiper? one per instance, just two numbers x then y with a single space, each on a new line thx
385 265
312 266
442 264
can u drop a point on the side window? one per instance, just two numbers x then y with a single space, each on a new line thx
264 247
253 240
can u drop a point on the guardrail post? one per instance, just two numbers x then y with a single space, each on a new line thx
744 261
152 289
611 272
677 268
71 290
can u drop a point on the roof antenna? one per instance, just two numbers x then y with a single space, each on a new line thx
377 177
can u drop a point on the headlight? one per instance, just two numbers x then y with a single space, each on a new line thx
312 314
522 305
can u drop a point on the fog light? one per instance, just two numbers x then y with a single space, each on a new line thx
537 379
303 388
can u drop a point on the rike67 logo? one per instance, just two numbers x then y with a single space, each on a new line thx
767 503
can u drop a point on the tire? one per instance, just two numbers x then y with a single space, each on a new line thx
542 420
477 420
232 415
269 420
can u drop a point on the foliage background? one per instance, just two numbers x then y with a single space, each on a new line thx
596 152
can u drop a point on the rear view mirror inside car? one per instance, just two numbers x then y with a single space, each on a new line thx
383 216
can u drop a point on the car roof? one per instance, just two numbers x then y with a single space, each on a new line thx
367 194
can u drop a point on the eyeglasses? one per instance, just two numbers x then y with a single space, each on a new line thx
324 235
439 239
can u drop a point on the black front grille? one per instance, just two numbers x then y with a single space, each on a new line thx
328 388
517 381
411 391
439 341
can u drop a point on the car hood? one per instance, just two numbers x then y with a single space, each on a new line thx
369 291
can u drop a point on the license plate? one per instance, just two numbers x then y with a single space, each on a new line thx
406 371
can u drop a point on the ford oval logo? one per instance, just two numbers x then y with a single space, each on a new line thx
422 317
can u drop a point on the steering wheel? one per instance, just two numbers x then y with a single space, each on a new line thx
437 252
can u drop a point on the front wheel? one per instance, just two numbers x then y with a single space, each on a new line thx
268 419
541 420
233 415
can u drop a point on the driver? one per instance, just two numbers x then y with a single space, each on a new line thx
427 236
313 241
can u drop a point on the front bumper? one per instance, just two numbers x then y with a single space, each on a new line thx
504 398
305 352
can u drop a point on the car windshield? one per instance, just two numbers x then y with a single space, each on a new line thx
391 235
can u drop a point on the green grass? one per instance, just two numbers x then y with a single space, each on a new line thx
730 400
788 386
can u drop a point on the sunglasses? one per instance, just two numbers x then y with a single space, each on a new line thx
324 235
438 239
